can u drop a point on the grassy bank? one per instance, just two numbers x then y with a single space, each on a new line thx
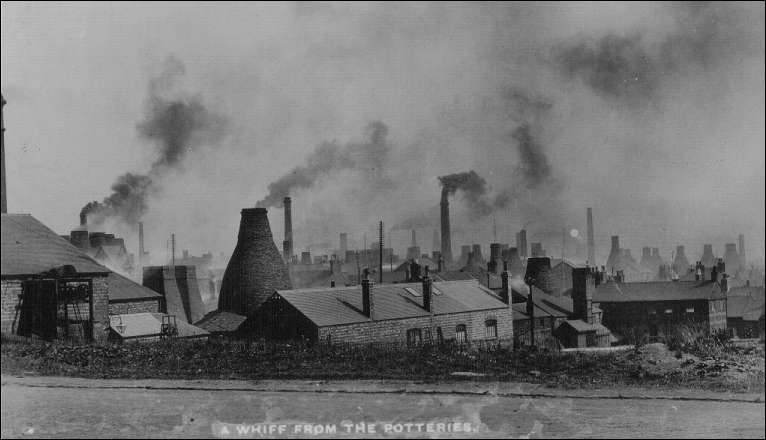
728 368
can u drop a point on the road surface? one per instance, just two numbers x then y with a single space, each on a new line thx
63 407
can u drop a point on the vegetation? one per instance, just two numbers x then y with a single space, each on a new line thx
219 359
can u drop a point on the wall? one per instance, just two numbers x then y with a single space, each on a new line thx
561 280
12 290
151 305
395 331
619 316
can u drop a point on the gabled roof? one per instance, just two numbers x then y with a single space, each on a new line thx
29 248
581 326
657 291
221 322
124 289
343 305
144 325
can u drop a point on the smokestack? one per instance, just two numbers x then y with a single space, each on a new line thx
4 204
495 258
583 285
613 262
742 260
446 234
414 240
287 245
140 244
680 262
591 242
731 258
436 246
255 270
505 292
478 256
708 259
343 245
380 253
521 243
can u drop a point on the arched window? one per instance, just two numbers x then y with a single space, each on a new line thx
491 328
461 335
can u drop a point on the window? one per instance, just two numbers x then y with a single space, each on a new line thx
541 322
690 310
412 291
413 337
491 326
668 311
439 335
427 337
461 335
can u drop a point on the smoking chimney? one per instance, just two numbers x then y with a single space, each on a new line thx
255 270
4 204
446 234
141 244
591 243
287 245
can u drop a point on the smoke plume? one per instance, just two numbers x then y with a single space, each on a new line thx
175 126
370 157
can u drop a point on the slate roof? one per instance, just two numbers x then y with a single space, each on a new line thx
343 305
124 289
657 291
144 325
747 308
29 248
221 322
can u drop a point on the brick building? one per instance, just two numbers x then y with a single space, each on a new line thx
411 313
654 307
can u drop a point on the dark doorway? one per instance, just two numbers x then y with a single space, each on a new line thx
38 309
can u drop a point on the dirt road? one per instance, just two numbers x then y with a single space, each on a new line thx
62 407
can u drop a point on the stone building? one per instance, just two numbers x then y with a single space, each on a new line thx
407 313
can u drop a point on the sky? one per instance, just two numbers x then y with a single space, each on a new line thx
180 115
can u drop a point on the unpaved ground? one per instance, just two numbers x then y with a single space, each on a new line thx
65 407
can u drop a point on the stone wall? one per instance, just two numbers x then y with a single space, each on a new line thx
11 291
395 331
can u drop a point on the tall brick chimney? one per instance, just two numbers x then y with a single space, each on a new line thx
445 232
343 245
505 292
521 243
256 269
591 242
287 245
495 258
583 286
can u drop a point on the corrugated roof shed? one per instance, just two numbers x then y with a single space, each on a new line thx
657 291
327 307
144 325
29 248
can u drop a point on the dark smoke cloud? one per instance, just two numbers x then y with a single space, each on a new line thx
370 157
534 164
632 68
175 126
474 189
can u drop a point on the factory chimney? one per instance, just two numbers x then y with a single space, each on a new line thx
742 259
446 234
141 244
414 239
708 259
521 243
680 262
287 245
591 242
343 245
613 262
4 207
255 270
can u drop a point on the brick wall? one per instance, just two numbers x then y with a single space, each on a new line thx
11 290
151 305
652 315
395 331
